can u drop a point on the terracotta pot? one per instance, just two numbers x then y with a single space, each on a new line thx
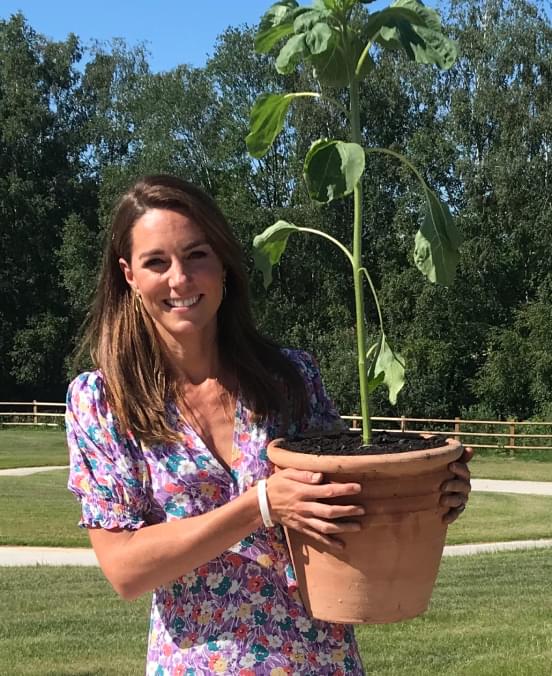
387 570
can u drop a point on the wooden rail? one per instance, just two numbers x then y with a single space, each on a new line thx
34 416
471 432
504 433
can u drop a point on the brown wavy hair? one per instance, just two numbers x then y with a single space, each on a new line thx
123 341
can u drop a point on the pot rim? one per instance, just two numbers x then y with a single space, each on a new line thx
439 456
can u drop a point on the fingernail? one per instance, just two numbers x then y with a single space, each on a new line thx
316 476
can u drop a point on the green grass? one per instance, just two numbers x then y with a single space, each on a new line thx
32 447
490 615
39 510
521 466
496 517
68 621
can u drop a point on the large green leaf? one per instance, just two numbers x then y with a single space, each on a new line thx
266 121
387 367
335 66
269 246
390 17
332 169
305 21
437 242
423 41
291 54
312 36
318 38
276 23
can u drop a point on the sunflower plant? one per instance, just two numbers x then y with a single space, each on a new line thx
338 40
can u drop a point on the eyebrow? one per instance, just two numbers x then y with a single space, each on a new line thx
159 252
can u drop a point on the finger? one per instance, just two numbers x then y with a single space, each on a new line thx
453 514
456 486
331 527
453 500
461 469
336 490
467 455
324 511
303 476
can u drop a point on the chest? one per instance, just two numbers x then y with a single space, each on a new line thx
212 418
191 477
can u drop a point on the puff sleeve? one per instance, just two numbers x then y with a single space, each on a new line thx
107 472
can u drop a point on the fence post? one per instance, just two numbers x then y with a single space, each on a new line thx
355 423
512 440
403 423
35 411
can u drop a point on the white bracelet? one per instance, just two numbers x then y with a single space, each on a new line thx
263 503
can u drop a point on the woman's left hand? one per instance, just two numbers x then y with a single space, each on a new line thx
455 491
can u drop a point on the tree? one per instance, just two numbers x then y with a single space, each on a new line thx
39 165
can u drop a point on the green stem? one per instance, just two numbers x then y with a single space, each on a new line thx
346 251
357 274
362 59
402 158
375 296
323 97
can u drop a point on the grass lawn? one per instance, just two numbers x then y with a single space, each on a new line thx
521 466
39 510
32 447
497 517
68 621
490 614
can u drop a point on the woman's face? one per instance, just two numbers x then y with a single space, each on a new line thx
177 274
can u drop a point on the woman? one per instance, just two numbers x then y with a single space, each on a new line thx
168 449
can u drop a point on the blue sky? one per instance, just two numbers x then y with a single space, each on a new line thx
176 31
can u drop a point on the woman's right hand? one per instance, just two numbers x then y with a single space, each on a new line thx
293 498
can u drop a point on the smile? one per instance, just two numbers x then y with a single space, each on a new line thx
183 302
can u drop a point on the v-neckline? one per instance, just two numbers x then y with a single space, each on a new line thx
228 469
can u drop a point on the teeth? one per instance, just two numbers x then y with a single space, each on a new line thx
184 302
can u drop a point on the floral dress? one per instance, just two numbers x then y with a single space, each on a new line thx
240 613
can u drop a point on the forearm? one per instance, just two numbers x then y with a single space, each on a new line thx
136 562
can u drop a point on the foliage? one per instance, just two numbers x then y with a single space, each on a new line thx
78 125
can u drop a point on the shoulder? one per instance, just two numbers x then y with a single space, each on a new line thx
87 403
85 389
303 361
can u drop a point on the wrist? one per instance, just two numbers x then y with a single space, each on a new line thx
264 506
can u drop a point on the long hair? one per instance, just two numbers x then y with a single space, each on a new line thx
123 340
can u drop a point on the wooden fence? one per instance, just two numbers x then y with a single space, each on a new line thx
501 434
41 413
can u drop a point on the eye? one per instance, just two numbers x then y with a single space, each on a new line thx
154 263
197 253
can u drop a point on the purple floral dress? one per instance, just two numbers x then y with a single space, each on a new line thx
240 613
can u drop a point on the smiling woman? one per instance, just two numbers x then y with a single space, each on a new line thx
168 440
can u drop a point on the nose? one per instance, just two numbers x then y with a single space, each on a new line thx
178 275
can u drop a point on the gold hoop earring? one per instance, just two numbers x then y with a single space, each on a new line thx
137 301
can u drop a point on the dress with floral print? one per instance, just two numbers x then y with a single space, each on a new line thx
240 613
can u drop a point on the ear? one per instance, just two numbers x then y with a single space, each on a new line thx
127 272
